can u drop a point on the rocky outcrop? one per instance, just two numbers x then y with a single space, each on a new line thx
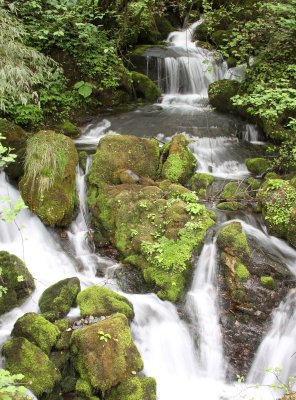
57 300
48 185
144 87
16 280
100 301
110 344
134 389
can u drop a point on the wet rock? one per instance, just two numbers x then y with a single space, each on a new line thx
16 139
179 163
131 280
230 206
82 155
37 330
48 186
134 389
57 300
277 198
110 344
248 299
200 183
144 87
23 357
69 129
17 281
100 301
257 166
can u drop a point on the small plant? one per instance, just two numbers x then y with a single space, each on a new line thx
10 388
84 89
195 208
133 232
103 336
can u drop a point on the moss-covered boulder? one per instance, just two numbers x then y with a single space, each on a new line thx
68 128
23 357
233 241
144 87
17 281
277 198
258 166
56 301
48 185
202 33
116 154
134 389
200 182
155 228
220 36
220 94
235 191
37 330
15 138
64 326
104 353
100 301
230 206
179 162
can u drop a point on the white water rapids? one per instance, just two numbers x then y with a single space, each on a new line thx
186 358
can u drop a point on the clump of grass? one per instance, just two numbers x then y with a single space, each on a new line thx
46 159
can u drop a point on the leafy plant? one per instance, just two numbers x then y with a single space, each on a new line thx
85 89
103 336
10 388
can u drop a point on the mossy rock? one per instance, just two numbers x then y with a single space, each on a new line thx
144 87
230 206
258 166
242 272
274 130
37 330
16 139
64 326
134 389
233 241
267 282
220 36
119 153
204 45
48 186
277 198
68 128
291 232
57 300
23 357
200 181
84 389
82 155
179 161
234 191
201 32
254 184
17 289
100 301
104 364
164 26
220 94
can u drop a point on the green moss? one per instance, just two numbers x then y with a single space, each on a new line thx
140 50
257 166
253 183
58 299
37 330
234 191
278 198
105 364
233 240
201 32
134 389
230 206
242 272
220 94
201 181
23 357
17 290
267 282
117 153
180 162
60 358
82 155
51 195
291 232
238 295
63 342
83 388
145 87
220 36
100 301
68 129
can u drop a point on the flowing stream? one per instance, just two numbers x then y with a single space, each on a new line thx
185 355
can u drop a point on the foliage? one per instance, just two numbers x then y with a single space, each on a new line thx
104 336
6 156
10 388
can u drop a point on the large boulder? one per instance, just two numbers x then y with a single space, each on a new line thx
179 162
16 280
258 166
278 201
134 389
57 300
116 154
23 357
100 301
48 185
37 330
144 87
105 354
15 138
220 94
